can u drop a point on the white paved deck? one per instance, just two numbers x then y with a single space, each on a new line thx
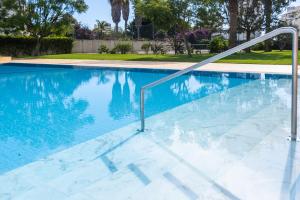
223 67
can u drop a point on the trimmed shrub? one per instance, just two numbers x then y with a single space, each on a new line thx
123 48
26 46
56 45
146 47
158 48
218 44
14 46
113 51
103 49
258 47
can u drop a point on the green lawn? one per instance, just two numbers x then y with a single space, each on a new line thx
257 57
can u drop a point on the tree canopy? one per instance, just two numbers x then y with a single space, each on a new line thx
39 18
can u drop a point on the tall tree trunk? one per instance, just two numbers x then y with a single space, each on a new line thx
153 34
125 12
233 22
268 22
117 27
126 24
187 46
248 37
138 23
138 32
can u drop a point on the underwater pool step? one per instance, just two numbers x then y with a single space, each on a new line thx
155 163
259 115
271 169
66 163
118 185
168 186
181 186
214 114
182 183
150 165
222 151
134 142
139 174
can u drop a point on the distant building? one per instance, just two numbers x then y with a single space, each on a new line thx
292 17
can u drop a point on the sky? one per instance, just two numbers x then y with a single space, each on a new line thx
100 9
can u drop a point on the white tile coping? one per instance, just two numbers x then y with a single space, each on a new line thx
222 67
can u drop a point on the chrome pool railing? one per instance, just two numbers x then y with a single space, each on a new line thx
283 30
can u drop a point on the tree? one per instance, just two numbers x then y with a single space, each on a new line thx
209 15
43 17
233 21
268 21
125 12
82 32
146 32
182 17
250 17
158 12
100 28
116 7
169 16
272 9
138 19
11 17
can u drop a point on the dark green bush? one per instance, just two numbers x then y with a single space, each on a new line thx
146 47
218 44
103 49
113 51
258 47
123 48
56 45
158 48
27 46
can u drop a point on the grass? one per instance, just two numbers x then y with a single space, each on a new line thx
257 57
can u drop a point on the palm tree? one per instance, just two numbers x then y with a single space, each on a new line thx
116 7
101 27
233 21
125 11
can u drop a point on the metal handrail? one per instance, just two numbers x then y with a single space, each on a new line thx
248 44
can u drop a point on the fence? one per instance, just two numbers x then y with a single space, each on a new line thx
91 46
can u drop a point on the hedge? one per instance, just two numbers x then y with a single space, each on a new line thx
281 43
26 46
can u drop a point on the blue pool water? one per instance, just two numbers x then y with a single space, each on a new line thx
46 109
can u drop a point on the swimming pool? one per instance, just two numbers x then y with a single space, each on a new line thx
45 110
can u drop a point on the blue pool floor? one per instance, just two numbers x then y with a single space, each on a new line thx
199 150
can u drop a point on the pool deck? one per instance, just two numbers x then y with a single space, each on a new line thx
4 59
222 67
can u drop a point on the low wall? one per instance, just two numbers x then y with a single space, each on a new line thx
91 46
